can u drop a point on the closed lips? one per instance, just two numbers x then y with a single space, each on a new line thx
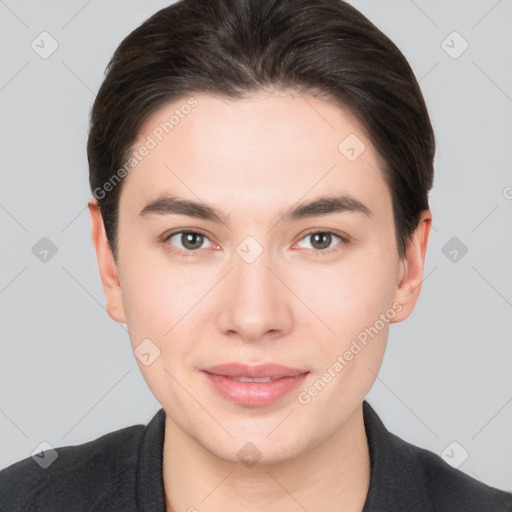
248 379
260 373
254 386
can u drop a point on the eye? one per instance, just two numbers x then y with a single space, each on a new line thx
321 241
186 241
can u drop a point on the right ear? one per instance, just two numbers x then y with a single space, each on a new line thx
106 264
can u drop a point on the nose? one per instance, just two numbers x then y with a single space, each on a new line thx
255 304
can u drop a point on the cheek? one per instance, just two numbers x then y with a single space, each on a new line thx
350 301
155 292
350 295
170 305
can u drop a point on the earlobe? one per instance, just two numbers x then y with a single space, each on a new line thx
411 276
106 264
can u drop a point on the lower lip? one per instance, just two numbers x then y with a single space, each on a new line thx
254 394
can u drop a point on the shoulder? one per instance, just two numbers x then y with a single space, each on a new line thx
449 488
79 478
409 478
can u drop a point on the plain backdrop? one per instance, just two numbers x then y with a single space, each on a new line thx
68 374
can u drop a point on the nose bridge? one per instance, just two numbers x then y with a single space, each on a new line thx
253 285
254 300
252 280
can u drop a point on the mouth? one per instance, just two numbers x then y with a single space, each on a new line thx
248 379
254 386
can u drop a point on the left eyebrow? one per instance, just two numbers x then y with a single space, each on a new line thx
324 205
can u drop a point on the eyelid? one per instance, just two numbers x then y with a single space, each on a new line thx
310 231
345 239
186 230
166 237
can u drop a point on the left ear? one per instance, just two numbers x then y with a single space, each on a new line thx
411 276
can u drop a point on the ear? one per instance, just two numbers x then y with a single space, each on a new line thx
106 264
411 275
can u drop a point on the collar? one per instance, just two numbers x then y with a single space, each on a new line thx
395 475
150 484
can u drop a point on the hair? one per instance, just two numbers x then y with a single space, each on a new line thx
234 48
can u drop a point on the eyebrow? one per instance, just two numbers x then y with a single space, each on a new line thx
324 205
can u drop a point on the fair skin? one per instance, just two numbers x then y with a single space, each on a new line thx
252 159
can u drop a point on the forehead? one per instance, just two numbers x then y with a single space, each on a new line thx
264 151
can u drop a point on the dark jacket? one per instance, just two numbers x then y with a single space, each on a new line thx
122 472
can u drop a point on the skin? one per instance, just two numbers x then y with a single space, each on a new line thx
252 158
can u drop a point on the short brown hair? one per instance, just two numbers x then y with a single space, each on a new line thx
237 47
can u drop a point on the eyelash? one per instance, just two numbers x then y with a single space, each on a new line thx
185 254
316 252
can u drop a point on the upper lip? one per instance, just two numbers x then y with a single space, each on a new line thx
276 371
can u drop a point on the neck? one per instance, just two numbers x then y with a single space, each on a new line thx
332 476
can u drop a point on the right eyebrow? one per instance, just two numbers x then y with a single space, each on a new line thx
167 205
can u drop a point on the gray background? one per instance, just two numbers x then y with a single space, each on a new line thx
68 374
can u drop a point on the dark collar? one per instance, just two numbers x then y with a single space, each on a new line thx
150 483
395 478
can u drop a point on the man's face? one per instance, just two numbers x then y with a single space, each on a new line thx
252 289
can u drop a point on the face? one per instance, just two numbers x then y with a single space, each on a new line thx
250 275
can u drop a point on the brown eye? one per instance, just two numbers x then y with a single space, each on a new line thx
322 240
186 241
191 241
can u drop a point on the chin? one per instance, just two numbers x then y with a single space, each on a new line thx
259 451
